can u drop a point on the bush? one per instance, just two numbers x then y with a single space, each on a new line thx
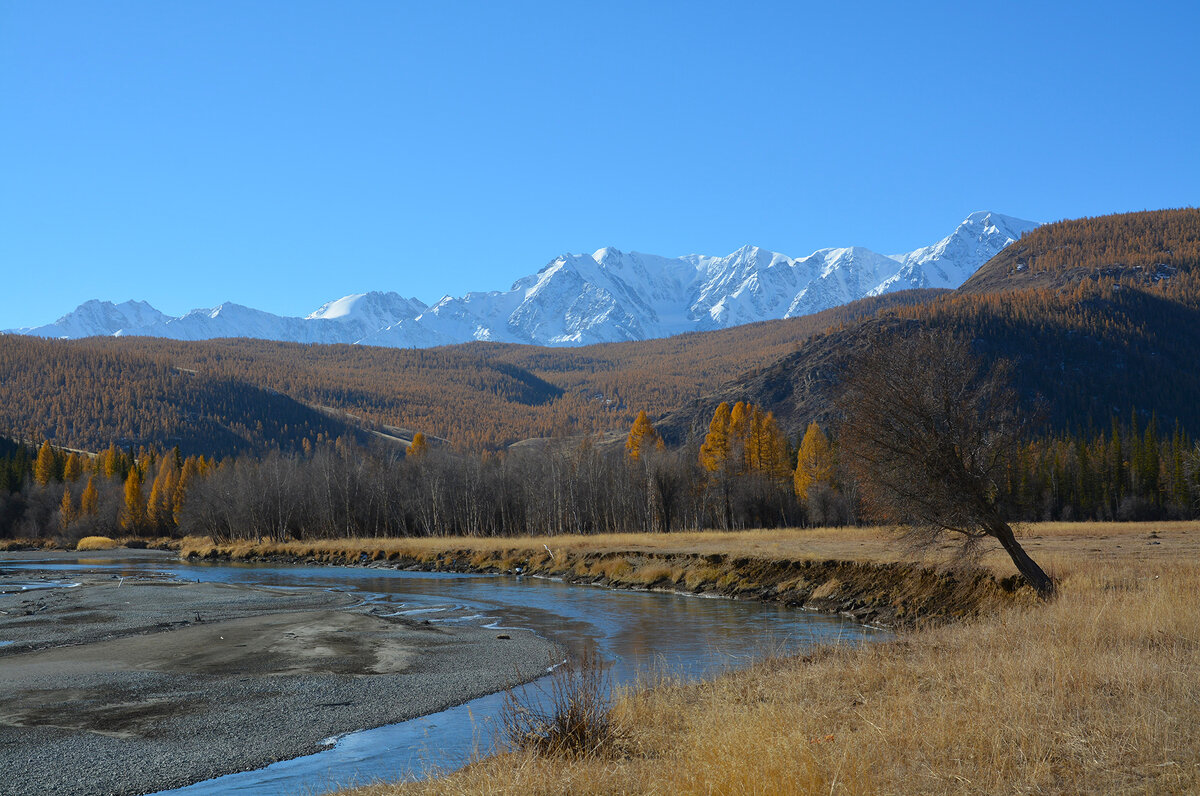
571 717
96 543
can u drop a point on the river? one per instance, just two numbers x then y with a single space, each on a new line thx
636 633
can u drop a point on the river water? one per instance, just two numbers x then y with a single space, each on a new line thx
636 633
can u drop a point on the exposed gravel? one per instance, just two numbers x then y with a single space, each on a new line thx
118 689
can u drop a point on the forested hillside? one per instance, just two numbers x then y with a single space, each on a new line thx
1108 322
227 396
1137 248
89 397
1101 316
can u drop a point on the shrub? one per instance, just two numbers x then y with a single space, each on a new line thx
96 543
569 717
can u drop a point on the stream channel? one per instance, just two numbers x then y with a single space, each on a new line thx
637 633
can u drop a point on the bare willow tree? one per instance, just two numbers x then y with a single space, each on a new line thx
929 431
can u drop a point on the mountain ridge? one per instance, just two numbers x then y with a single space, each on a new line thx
1099 316
579 299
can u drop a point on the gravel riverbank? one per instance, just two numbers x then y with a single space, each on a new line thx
128 686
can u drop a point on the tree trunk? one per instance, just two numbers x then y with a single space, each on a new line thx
1039 580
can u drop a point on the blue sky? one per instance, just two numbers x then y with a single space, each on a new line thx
280 154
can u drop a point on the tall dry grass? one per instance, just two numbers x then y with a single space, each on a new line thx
96 543
1096 692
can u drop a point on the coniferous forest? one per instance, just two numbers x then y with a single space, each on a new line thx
745 474
1099 319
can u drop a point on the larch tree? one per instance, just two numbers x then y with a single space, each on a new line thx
73 468
190 471
133 514
740 417
814 463
767 447
160 506
66 510
419 446
642 436
714 453
89 501
44 466
110 462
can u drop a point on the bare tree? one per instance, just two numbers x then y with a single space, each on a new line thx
928 432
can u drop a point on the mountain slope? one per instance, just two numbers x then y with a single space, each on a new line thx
85 393
1103 315
86 397
608 296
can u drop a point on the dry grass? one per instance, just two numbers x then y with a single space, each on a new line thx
96 543
1054 545
7 545
1096 692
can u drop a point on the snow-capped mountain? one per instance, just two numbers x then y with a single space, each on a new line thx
103 317
576 299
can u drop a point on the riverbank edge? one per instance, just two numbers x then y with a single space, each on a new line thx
891 595
239 753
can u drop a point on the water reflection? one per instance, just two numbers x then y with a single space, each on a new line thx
634 631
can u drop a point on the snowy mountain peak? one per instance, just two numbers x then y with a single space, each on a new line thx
373 305
609 295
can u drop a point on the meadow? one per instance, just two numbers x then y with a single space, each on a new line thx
1097 691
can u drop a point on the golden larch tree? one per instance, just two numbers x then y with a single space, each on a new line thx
43 467
714 453
133 515
160 506
192 468
89 501
767 447
73 468
815 463
419 446
740 417
110 462
642 436
66 510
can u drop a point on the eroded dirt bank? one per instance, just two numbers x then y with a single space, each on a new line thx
885 594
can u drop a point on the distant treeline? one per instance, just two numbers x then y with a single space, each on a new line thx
746 474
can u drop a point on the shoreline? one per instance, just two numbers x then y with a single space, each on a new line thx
882 595
140 684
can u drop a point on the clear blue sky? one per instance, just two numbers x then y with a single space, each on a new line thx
280 154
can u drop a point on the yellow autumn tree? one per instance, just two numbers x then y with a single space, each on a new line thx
43 467
714 453
133 514
89 501
160 506
66 510
815 463
110 462
766 446
192 468
73 468
419 446
642 436
740 417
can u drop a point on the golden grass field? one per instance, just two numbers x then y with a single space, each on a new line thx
1096 692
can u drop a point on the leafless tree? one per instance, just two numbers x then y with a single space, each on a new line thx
928 431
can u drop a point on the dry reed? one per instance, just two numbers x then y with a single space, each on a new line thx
96 543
